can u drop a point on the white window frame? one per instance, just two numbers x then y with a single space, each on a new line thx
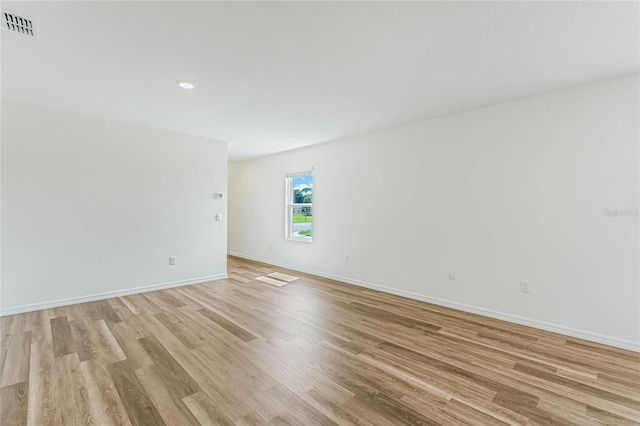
289 205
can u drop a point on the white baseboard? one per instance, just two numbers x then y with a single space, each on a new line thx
107 295
542 325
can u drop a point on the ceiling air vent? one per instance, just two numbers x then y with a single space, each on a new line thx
18 24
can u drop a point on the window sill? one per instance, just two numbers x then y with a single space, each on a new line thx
300 239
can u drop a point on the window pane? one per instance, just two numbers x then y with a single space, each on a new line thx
302 189
302 225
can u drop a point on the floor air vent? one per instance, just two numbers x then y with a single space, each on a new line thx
18 24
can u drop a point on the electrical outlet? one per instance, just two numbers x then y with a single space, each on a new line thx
172 260
346 259
525 286
452 274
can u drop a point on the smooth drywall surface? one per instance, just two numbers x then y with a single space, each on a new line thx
519 191
92 206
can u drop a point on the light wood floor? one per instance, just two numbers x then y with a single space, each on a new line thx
314 352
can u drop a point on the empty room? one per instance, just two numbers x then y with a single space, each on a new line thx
320 213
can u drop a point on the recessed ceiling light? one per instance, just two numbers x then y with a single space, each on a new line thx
186 85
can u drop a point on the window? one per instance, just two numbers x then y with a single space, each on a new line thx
299 209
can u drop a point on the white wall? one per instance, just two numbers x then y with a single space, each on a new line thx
512 192
92 206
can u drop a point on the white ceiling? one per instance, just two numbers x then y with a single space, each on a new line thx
274 76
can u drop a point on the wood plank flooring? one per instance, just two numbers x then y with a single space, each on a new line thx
313 352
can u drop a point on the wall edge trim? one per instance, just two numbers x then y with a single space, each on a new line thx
542 325
107 295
